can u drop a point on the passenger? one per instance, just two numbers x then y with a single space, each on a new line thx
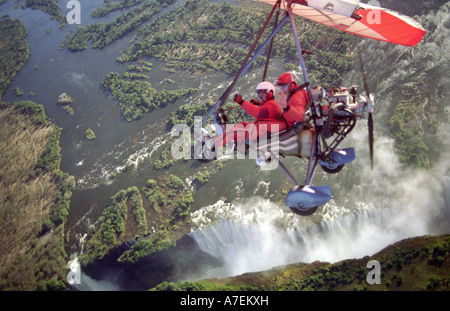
267 112
293 99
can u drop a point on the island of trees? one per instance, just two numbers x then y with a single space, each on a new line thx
138 97
101 35
153 221
51 7
205 36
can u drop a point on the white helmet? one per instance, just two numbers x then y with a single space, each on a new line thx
267 86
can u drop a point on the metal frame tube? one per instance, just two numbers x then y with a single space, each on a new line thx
299 51
312 163
285 170
263 45
313 160
257 53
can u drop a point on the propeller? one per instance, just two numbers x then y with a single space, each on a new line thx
369 109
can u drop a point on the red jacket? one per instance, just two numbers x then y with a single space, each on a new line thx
296 107
269 111
268 114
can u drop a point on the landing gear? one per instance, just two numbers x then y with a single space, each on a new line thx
332 168
306 212
304 200
337 159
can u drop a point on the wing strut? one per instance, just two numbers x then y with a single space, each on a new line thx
299 52
271 44
369 103
222 100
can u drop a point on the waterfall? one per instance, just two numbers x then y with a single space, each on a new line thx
253 242
77 278
372 209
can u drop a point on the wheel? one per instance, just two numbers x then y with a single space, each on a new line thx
332 168
306 212
304 200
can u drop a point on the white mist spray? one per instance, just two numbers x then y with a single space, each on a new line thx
385 205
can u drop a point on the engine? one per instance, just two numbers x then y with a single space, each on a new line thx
339 98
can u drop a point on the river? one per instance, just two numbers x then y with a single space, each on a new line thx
50 72
379 206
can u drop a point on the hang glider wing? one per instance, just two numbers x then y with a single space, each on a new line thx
360 19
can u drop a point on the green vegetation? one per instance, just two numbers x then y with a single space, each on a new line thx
205 172
198 37
138 211
200 286
413 125
174 194
129 216
114 6
89 134
51 156
165 160
51 7
155 197
185 113
14 50
139 97
30 109
111 229
68 109
43 268
61 205
143 247
35 196
64 99
171 200
201 177
18 91
49 163
203 36
180 39
104 34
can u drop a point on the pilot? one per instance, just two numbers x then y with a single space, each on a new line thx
293 99
267 112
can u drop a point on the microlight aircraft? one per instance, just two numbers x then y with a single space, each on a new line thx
333 112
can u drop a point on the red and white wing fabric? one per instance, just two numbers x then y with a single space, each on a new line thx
360 19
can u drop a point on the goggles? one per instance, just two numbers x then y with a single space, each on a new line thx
283 87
